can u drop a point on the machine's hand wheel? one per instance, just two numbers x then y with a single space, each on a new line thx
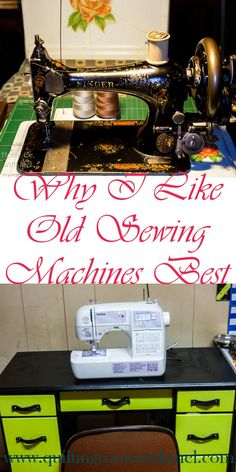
209 90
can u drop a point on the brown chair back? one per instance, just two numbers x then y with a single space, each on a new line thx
122 449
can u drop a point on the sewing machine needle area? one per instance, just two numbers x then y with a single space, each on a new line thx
91 147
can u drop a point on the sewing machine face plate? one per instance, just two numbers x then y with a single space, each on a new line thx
92 147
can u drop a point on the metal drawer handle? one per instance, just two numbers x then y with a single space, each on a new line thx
205 403
193 437
116 403
26 409
31 441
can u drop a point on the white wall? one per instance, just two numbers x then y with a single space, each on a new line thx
125 38
42 317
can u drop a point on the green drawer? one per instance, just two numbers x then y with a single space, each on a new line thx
203 426
207 463
39 465
206 400
32 429
133 400
27 405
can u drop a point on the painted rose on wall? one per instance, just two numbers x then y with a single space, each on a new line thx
88 11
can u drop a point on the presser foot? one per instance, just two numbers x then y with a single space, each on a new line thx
93 147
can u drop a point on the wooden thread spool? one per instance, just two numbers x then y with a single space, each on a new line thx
107 105
83 105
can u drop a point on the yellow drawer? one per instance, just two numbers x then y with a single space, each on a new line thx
116 400
203 433
27 405
207 463
33 436
206 400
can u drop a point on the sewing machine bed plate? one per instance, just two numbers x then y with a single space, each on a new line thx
16 127
92 147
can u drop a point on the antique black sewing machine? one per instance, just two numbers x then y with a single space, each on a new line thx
161 143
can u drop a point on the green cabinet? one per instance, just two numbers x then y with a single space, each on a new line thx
27 405
31 432
40 465
195 397
205 400
206 463
203 423
111 400
203 433
203 429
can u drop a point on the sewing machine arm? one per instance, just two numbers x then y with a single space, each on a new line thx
161 143
163 88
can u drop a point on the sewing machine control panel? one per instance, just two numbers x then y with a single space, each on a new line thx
98 319
111 317
147 342
147 334
146 320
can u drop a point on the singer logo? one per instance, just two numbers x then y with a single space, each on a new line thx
95 84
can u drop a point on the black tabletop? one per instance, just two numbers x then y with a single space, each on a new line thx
187 368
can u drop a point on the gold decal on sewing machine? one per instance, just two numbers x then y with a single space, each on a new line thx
38 82
96 83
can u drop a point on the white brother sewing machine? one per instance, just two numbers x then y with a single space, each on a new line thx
144 322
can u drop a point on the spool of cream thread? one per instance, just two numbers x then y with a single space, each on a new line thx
83 104
107 105
158 45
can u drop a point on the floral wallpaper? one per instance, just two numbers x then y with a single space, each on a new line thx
88 11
